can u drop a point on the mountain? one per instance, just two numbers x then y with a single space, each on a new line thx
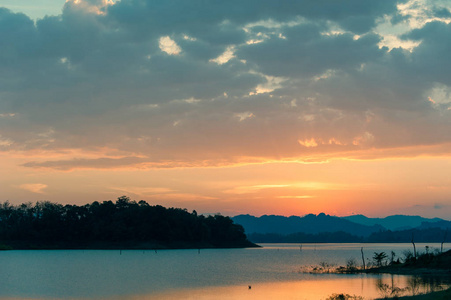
395 222
420 235
309 224
439 224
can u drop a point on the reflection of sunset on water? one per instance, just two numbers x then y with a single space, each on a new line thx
274 270
367 286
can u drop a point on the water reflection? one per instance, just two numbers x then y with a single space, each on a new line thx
411 286
330 287
325 287
273 272
428 284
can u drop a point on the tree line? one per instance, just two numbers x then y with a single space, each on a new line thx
428 235
121 224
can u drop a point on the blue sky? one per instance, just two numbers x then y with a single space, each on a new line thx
34 9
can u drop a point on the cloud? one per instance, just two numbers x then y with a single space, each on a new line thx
305 51
427 210
244 115
296 197
34 187
169 46
439 206
143 191
224 57
311 186
271 81
428 56
254 188
7 115
308 143
5 142
98 163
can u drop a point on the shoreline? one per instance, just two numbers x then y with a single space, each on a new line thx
425 265
176 245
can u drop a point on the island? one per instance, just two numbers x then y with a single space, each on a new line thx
124 224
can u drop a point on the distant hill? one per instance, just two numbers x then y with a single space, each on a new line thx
352 229
309 224
420 235
395 222
439 224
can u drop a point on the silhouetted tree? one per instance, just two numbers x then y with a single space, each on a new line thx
54 225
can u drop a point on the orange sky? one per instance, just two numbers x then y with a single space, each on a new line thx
272 109
377 187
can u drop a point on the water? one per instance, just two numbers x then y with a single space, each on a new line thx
272 271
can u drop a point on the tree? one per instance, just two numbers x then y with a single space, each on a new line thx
379 258
106 224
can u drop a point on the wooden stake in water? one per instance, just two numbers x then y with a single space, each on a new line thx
444 239
363 258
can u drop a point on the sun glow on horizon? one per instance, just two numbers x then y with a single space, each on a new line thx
261 110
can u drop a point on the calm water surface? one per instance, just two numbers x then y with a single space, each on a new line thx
273 272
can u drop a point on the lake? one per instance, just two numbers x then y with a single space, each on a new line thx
272 272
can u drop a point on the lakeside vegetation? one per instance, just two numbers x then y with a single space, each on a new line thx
124 224
427 262
430 268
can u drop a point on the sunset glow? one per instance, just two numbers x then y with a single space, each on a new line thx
262 110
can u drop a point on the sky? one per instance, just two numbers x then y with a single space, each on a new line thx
237 107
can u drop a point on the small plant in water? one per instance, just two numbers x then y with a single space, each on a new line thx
351 264
408 256
324 267
344 297
379 258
